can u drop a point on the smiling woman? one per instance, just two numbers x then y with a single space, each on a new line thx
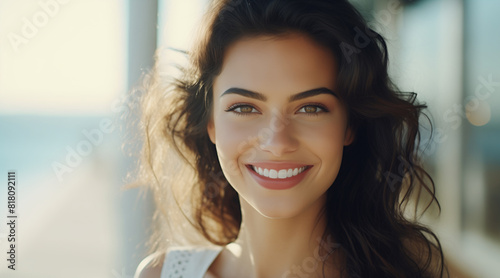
276 68
298 155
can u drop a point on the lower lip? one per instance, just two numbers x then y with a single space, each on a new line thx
278 184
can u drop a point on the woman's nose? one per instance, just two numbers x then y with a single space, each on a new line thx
278 139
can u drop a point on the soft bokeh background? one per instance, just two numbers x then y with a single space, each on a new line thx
67 66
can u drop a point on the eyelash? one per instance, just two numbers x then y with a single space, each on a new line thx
239 105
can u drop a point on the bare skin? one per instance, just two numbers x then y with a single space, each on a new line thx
282 230
278 249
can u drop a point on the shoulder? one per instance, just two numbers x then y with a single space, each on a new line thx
151 266
177 260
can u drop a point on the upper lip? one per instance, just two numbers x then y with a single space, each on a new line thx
278 165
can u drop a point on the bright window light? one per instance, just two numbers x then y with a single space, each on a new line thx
61 57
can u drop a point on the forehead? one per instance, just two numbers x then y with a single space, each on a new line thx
292 63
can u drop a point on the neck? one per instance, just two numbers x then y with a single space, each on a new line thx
292 247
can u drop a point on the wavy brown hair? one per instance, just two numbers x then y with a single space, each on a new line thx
380 171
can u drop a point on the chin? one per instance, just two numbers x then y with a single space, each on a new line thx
278 210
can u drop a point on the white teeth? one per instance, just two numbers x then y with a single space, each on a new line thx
278 174
282 174
273 174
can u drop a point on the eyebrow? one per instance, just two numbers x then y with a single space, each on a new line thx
298 96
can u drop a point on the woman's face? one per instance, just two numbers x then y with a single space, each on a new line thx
275 108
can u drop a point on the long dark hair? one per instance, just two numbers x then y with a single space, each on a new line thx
380 171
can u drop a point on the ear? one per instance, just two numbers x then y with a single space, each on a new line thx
211 130
349 136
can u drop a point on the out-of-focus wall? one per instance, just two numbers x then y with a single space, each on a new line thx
447 52
66 67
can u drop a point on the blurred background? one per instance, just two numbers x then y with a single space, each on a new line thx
66 67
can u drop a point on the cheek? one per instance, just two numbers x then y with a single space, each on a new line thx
329 140
235 142
325 137
327 145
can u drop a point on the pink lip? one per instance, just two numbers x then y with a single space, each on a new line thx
278 184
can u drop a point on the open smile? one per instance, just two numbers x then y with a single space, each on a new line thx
276 176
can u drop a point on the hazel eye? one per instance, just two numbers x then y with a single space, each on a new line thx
245 109
311 109
242 109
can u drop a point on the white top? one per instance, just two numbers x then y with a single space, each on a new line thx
188 262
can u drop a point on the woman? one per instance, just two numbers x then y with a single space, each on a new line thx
298 155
